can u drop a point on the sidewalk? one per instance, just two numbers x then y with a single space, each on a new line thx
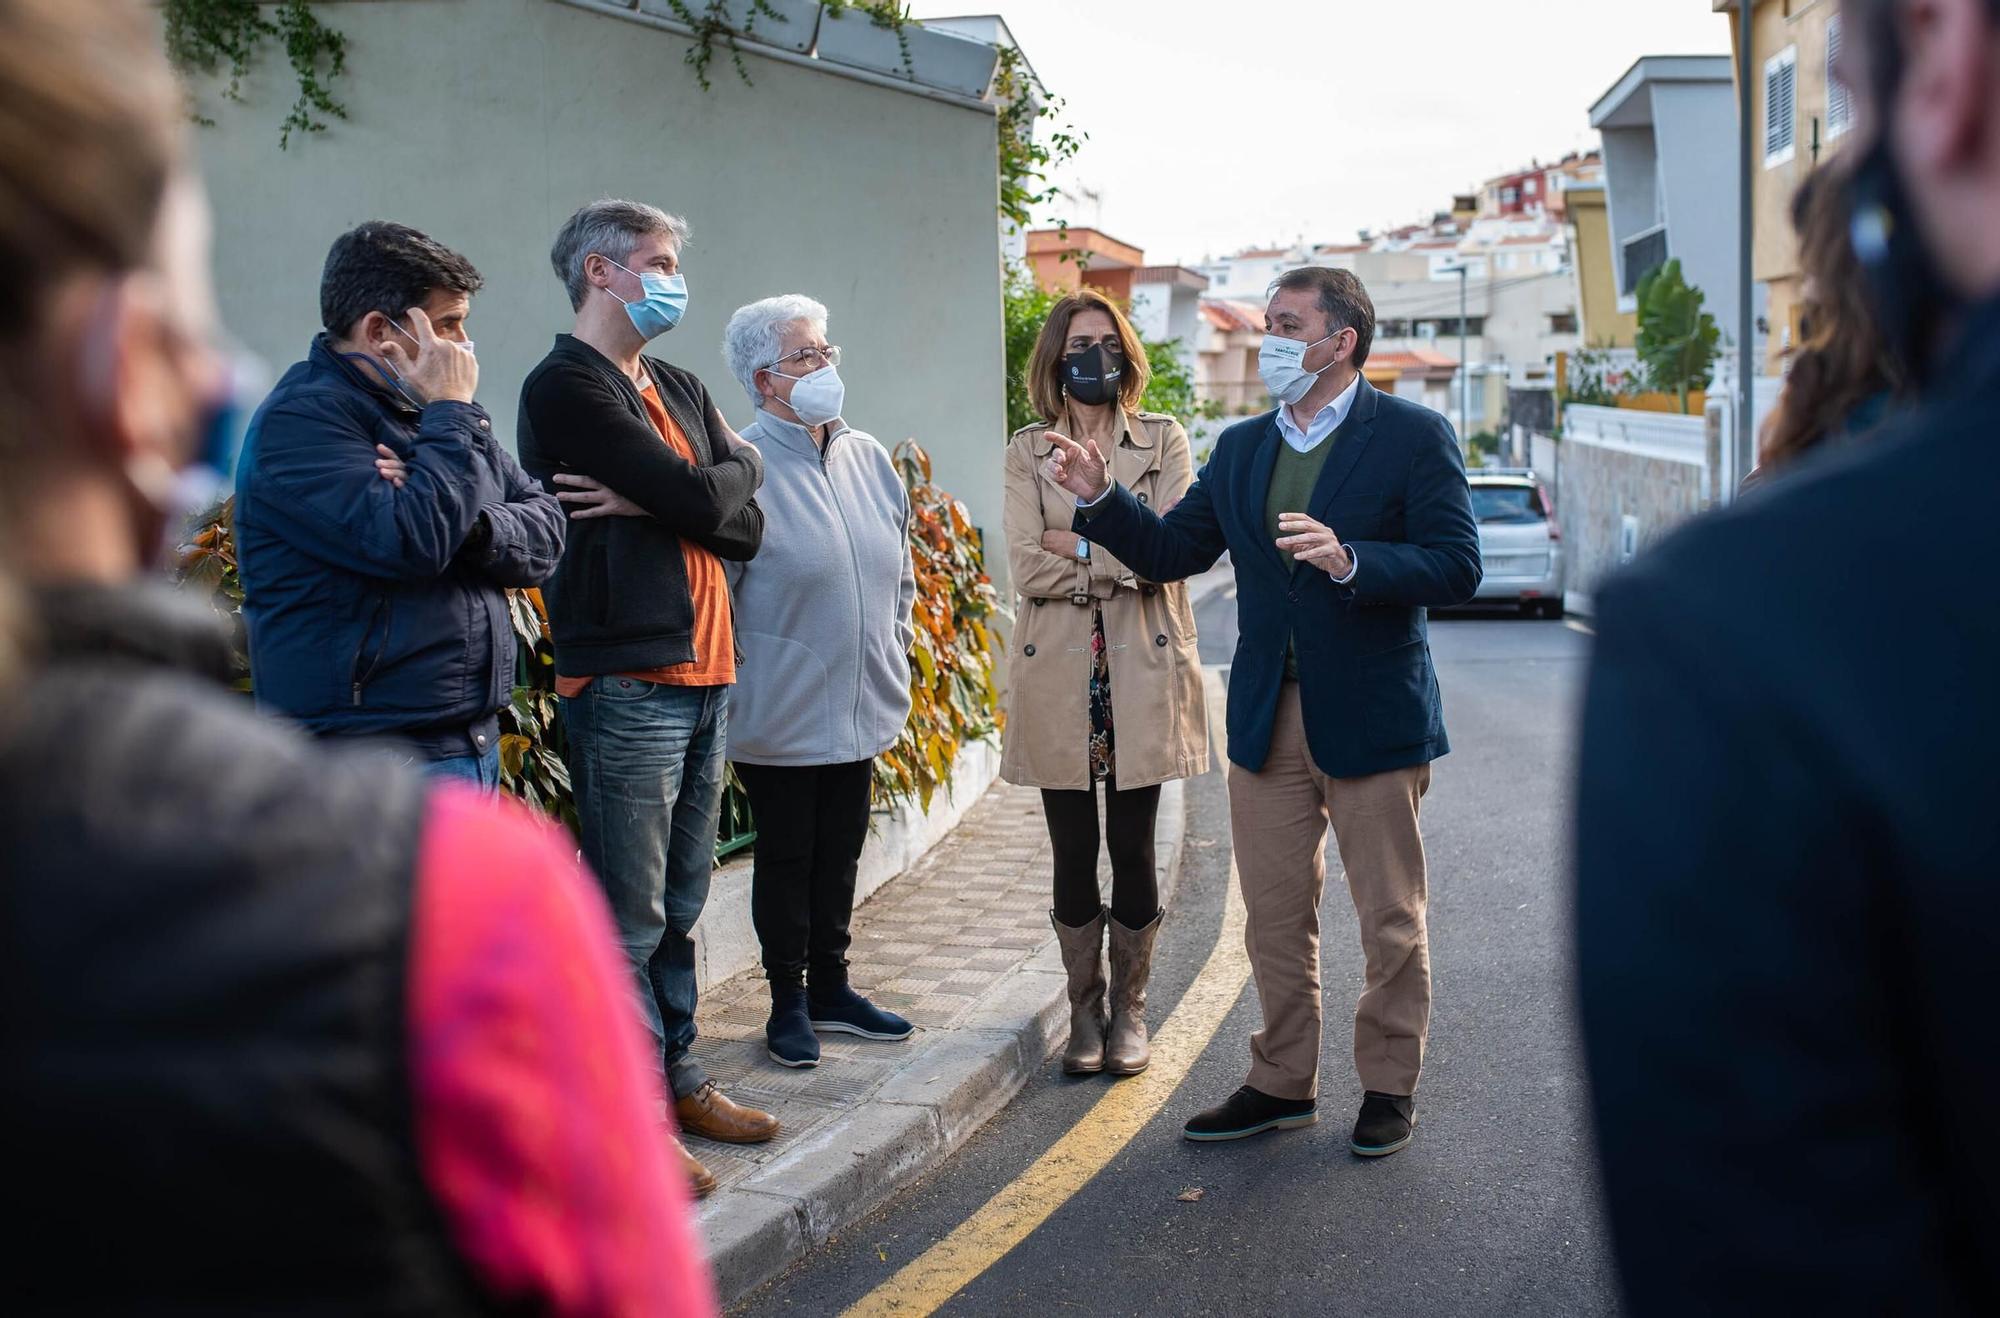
961 945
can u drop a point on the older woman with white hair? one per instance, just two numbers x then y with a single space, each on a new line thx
823 621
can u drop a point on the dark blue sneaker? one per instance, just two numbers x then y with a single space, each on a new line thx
1250 1112
789 1033
843 1011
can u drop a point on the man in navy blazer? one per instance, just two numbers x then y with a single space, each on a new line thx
1347 515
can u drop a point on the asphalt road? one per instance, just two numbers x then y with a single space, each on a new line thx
1494 1207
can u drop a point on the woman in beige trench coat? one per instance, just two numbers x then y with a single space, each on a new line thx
1104 680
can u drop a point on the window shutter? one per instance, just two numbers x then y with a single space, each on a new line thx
1780 107
1839 101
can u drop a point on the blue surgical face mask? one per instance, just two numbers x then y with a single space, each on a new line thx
661 309
393 378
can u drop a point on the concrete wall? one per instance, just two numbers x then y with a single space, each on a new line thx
1518 319
1612 464
1631 186
1694 126
487 122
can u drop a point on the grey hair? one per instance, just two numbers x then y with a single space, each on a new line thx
755 335
610 228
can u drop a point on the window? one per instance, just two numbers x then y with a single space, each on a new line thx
1562 322
1506 505
1530 187
1781 85
1839 101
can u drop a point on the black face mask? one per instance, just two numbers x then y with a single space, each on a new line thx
1912 302
1092 376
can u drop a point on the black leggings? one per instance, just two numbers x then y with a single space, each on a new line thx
1128 836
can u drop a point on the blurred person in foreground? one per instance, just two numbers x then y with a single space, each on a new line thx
286 1029
1842 383
1787 854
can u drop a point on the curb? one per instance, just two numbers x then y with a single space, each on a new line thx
761 1226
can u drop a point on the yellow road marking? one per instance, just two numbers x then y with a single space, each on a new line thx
1009 1217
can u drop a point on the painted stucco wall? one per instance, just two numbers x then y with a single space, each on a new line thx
487 122
1694 128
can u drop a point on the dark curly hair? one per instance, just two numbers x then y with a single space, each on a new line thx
387 267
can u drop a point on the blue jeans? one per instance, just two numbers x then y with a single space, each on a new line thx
482 770
647 763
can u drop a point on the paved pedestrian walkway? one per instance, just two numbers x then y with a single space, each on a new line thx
927 946
961 945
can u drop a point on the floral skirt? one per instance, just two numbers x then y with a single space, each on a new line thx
1103 756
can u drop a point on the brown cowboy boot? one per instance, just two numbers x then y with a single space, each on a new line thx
1127 1051
1083 958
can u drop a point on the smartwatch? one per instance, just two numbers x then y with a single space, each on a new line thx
1082 550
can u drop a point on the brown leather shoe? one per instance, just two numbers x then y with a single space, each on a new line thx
707 1112
700 1178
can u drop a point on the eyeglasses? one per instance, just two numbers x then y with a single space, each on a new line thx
823 357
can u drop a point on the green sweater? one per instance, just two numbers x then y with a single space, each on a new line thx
1292 479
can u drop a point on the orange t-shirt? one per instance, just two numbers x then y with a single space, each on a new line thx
714 663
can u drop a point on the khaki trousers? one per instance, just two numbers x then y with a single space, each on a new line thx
1278 818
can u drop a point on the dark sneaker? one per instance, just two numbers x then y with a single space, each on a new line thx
789 1033
1250 1112
1385 1124
843 1011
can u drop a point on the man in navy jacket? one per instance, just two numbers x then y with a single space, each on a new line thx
1788 862
1346 514
379 522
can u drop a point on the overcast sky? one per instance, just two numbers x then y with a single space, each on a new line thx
1220 124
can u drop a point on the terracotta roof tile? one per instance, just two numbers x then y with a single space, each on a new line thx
1232 316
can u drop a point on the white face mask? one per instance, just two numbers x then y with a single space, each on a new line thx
1281 365
816 398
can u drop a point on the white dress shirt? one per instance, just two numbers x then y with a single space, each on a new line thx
1325 423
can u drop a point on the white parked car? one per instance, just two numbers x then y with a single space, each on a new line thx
1520 542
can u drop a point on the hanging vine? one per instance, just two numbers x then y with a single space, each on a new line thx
887 14
709 22
1026 163
204 36
712 21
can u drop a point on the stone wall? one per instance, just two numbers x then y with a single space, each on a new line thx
1598 487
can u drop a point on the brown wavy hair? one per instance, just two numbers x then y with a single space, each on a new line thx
1842 361
1045 389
